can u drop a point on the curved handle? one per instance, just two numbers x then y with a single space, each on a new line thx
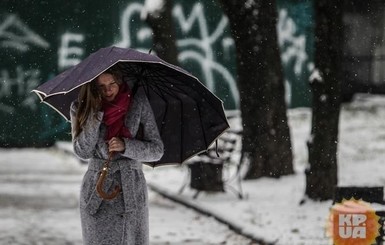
100 183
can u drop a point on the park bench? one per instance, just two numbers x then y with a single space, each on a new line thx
217 170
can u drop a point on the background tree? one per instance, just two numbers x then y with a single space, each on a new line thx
159 18
321 176
266 145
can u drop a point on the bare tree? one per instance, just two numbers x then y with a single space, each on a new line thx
321 176
266 144
159 18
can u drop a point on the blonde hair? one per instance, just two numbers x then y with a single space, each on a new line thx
90 101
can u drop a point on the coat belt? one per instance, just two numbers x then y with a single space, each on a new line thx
96 164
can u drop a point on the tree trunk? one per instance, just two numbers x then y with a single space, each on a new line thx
321 176
164 40
266 144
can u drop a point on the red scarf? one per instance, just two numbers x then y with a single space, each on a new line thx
114 113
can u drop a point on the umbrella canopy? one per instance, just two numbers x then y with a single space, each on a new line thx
189 117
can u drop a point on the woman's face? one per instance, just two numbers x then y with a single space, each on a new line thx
108 86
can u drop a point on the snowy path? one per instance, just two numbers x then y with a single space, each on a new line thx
39 197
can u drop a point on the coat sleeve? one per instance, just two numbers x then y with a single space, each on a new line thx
84 144
150 147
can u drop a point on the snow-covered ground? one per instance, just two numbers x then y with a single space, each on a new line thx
39 205
271 209
38 191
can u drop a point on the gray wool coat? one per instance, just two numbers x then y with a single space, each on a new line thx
123 220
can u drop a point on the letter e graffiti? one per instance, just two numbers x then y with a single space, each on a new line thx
69 56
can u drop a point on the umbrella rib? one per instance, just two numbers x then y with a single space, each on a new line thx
153 82
202 128
159 74
161 85
189 93
181 114
181 129
199 112
163 82
170 91
160 96
182 126
146 90
147 87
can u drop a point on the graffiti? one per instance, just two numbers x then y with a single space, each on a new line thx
293 46
197 47
19 85
70 55
142 34
227 44
204 41
16 35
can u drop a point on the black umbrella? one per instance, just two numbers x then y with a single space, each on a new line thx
189 117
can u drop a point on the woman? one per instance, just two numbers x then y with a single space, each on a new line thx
106 119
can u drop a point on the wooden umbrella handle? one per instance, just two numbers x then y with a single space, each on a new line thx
102 178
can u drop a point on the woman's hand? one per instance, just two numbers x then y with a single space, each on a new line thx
116 144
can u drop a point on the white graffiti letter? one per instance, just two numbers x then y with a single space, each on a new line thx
143 33
296 49
15 34
69 56
20 86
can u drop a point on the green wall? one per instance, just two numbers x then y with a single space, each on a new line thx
39 39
